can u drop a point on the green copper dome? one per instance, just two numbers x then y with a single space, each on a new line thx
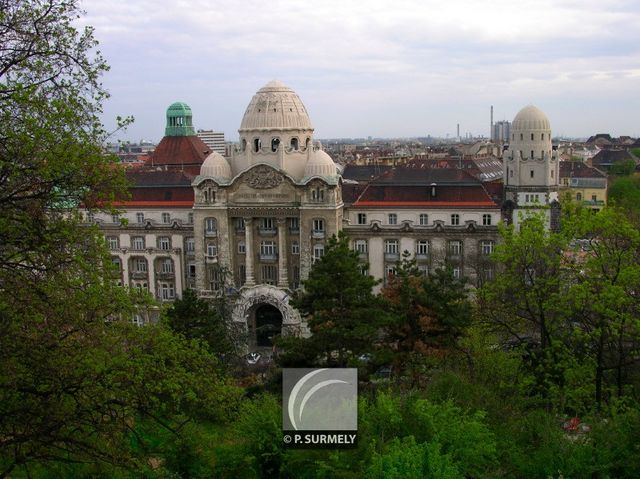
179 120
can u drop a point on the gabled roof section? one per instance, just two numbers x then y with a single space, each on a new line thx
578 169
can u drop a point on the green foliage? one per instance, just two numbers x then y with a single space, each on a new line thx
343 314
623 168
429 313
625 193
208 320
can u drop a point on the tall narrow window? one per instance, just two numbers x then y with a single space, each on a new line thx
318 252
275 144
424 219
166 218
140 217
393 219
256 145
455 219
294 143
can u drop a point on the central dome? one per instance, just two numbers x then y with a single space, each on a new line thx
531 118
275 107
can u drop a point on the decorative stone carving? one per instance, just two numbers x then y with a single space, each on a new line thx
263 177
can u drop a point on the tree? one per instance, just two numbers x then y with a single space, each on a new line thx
207 320
430 312
76 379
524 302
343 314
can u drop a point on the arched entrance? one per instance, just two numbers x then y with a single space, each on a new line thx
268 325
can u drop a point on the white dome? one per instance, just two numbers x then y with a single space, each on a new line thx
216 166
320 164
275 106
530 118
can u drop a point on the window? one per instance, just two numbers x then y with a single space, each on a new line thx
456 272
594 197
164 243
531 136
190 218
424 269
269 274
140 265
295 283
113 242
542 136
486 220
455 219
422 247
140 218
210 226
531 171
256 145
215 279
90 217
391 246
294 224
579 196
551 174
242 248
393 219
209 195
267 249
242 274
424 219
191 270
361 246
212 250
166 218
267 224
275 144
295 247
317 194
166 265
318 252
486 247
318 226
190 245
390 271
115 219
455 247
240 225
362 219
137 243
521 137
167 291
294 143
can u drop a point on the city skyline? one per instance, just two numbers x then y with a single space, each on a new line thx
414 69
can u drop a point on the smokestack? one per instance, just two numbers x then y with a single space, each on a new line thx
491 127
458 131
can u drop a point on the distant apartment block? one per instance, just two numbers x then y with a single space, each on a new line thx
214 140
501 131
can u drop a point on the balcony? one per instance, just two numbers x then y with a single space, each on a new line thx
211 233
138 275
363 256
211 259
422 256
267 231
318 234
165 275
392 256
268 257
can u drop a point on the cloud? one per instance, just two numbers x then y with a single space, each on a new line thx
366 57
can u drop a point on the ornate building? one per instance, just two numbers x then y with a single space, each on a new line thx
251 225
531 168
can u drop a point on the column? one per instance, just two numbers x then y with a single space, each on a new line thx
152 275
248 236
283 281
124 259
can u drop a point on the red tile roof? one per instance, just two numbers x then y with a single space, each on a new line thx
179 151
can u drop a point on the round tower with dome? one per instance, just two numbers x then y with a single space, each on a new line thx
262 216
531 167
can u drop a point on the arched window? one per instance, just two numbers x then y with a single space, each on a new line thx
294 143
275 143
244 144
307 143
531 136
256 145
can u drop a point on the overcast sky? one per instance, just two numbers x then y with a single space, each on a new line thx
393 68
